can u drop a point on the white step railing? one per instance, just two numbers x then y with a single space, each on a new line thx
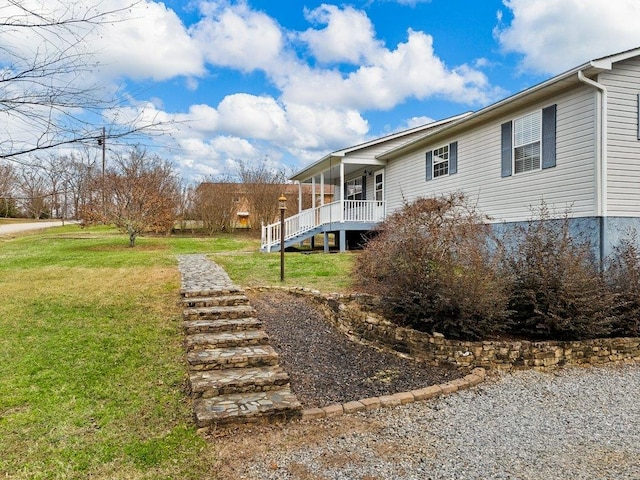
366 211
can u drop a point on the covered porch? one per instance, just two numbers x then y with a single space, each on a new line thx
360 206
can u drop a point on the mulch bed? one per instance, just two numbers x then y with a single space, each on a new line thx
325 366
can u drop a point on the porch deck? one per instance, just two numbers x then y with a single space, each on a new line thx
338 217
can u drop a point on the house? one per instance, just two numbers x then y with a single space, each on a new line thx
240 205
572 141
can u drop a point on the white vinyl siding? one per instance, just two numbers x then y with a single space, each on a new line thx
623 154
569 185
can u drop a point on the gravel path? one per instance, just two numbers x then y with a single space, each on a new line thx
572 424
11 228
325 367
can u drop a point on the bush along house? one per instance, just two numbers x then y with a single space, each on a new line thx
572 142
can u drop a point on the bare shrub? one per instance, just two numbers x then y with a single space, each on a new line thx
623 278
435 268
558 291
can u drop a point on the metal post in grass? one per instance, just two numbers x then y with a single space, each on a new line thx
282 205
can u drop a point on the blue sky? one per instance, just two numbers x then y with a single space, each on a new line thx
287 82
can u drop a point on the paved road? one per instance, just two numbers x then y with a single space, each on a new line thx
23 227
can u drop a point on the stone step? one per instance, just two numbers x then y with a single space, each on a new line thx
212 292
216 301
214 313
236 357
212 383
241 338
269 406
193 327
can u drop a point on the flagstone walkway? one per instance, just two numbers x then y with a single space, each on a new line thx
233 371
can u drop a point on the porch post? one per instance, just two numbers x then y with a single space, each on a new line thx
313 192
322 188
343 240
299 196
341 192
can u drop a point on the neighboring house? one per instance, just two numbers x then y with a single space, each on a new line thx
237 199
572 141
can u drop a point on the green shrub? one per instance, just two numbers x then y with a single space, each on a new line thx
435 269
557 291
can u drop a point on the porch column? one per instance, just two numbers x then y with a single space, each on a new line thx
322 188
299 196
341 192
343 240
313 192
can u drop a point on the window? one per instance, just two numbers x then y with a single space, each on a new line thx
529 142
379 186
441 161
527 133
354 189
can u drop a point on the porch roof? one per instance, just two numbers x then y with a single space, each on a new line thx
330 164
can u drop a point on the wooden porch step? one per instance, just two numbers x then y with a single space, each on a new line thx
235 357
193 327
226 339
211 383
269 406
214 313
215 301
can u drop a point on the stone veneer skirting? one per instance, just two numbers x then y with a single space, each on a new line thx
352 314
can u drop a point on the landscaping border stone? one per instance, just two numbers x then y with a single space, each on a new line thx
353 315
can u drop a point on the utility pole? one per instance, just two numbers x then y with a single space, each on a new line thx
102 140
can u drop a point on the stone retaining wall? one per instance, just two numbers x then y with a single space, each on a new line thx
353 315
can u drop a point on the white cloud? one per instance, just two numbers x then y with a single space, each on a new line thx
138 40
555 35
147 40
238 37
348 37
412 70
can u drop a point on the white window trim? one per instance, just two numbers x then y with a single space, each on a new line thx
434 162
515 146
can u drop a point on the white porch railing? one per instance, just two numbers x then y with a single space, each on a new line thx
365 211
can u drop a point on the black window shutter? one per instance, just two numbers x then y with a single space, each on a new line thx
549 136
429 165
507 150
453 158
638 116
364 186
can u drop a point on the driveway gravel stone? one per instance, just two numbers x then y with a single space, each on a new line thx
571 424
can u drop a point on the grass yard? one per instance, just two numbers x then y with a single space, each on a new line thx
92 374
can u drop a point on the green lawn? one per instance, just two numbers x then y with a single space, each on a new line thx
92 372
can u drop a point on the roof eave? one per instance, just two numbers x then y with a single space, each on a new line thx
590 68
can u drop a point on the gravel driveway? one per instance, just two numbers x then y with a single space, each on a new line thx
572 424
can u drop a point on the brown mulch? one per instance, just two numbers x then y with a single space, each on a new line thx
326 367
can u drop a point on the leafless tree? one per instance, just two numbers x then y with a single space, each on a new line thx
263 186
34 192
215 204
142 194
44 63
8 181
